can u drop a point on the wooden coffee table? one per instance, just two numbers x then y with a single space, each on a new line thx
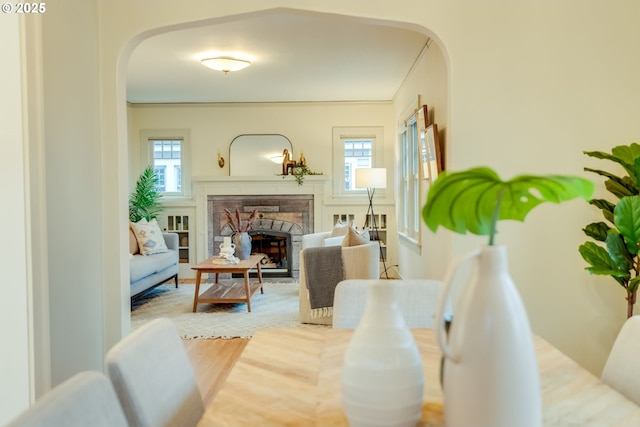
228 292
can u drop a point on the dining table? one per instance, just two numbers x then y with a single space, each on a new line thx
292 377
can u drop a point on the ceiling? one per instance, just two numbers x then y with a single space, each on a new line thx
296 56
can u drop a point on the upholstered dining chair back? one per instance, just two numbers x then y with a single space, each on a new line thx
621 371
86 399
417 300
153 377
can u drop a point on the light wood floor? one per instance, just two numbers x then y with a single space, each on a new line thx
212 359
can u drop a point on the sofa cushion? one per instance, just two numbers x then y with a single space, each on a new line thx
133 242
333 241
341 229
353 238
143 266
149 237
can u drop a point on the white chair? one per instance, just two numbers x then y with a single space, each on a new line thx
359 262
86 399
621 369
154 379
417 300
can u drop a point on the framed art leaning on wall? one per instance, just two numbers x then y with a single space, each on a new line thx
434 164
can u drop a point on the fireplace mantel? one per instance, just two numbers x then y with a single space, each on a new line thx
248 185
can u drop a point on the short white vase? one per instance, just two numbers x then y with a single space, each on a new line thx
382 376
490 371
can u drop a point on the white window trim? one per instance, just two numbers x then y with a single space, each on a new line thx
407 220
339 133
146 155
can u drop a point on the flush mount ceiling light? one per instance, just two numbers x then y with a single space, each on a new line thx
225 63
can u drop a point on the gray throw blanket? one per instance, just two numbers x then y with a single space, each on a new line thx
323 267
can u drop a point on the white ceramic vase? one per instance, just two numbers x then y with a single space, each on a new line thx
382 376
490 371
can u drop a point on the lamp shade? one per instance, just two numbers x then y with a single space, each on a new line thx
225 63
371 178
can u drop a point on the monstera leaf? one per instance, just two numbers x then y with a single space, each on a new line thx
476 199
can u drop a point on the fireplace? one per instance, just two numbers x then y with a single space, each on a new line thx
277 231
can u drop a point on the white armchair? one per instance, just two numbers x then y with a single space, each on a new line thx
359 262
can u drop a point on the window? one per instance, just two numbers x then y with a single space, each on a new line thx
167 152
354 148
409 206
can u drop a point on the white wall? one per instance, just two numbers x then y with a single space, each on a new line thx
429 80
74 187
15 360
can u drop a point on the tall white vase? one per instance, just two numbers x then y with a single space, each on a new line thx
382 376
490 371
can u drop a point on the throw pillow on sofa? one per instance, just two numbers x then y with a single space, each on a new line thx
149 237
353 238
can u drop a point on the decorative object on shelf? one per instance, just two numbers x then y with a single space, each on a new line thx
303 160
241 237
144 201
490 371
372 178
242 241
299 171
220 160
226 247
382 376
620 256
287 163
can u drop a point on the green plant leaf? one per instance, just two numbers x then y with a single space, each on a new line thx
606 207
618 252
144 201
624 181
627 220
475 199
599 260
597 231
625 155
617 189
633 284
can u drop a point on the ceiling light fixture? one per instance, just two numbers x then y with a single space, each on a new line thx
225 63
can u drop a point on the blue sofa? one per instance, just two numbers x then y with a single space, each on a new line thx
148 271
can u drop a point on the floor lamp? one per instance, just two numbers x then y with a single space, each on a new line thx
372 178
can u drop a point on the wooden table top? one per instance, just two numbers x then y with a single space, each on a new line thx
245 264
291 377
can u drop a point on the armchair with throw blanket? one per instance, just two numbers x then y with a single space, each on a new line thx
326 260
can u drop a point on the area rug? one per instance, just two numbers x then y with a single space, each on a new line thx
276 308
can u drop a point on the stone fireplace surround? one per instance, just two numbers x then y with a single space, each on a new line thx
284 204
287 215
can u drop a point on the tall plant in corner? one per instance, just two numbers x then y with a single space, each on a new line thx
144 202
615 251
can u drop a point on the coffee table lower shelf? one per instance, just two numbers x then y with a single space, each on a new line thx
228 293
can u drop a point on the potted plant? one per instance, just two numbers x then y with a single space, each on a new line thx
620 232
144 202
241 237
300 170
489 354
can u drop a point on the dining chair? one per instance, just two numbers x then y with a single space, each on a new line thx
621 370
85 399
153 377
416 299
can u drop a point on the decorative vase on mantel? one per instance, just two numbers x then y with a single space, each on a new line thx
490 370
382 375
242 240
